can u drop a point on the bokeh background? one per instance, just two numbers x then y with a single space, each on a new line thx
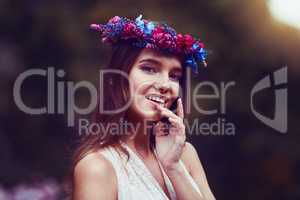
245 42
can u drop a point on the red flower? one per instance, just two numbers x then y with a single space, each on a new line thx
180 41
162 39
189 41
157 31
157 34
129 28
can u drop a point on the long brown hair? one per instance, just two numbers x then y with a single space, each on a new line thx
117 94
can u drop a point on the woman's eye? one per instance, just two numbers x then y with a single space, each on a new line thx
148 69
175 77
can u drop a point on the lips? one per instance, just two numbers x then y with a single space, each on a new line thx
155 102
157 98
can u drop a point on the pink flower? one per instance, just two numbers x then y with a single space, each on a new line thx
97 27
201 45
115 19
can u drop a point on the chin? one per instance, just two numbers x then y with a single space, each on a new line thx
145 110
146 114
153 117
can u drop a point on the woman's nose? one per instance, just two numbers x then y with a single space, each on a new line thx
163 83
162 86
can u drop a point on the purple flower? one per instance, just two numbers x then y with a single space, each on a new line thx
143 33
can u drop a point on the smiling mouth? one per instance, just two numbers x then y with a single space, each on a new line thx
156 103
157 100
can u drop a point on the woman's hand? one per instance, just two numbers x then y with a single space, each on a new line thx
169 147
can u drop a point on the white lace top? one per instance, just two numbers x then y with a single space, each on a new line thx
135 181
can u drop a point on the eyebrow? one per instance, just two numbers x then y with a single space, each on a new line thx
156 62
150 60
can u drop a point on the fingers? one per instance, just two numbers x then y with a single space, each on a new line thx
179 109
176 123
164 112
177 126
168 113
180 143
175 120
161 129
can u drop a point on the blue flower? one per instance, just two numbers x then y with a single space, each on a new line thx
190 62
195 46
140 23
149 28
201 54
140 32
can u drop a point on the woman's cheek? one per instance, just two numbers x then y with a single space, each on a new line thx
142 108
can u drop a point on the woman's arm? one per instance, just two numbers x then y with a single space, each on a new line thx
197 171
170 156
94 179
183 187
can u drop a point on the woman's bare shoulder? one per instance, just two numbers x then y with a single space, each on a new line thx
94 177
94 164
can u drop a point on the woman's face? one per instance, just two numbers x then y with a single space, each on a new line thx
154 79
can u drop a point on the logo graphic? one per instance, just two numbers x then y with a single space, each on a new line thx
279 122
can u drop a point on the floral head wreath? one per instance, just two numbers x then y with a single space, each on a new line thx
149 34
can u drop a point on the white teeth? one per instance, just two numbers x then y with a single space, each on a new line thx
156 99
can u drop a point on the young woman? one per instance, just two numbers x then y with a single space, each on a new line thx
151 158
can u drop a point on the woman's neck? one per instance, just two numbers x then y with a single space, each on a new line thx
139 140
